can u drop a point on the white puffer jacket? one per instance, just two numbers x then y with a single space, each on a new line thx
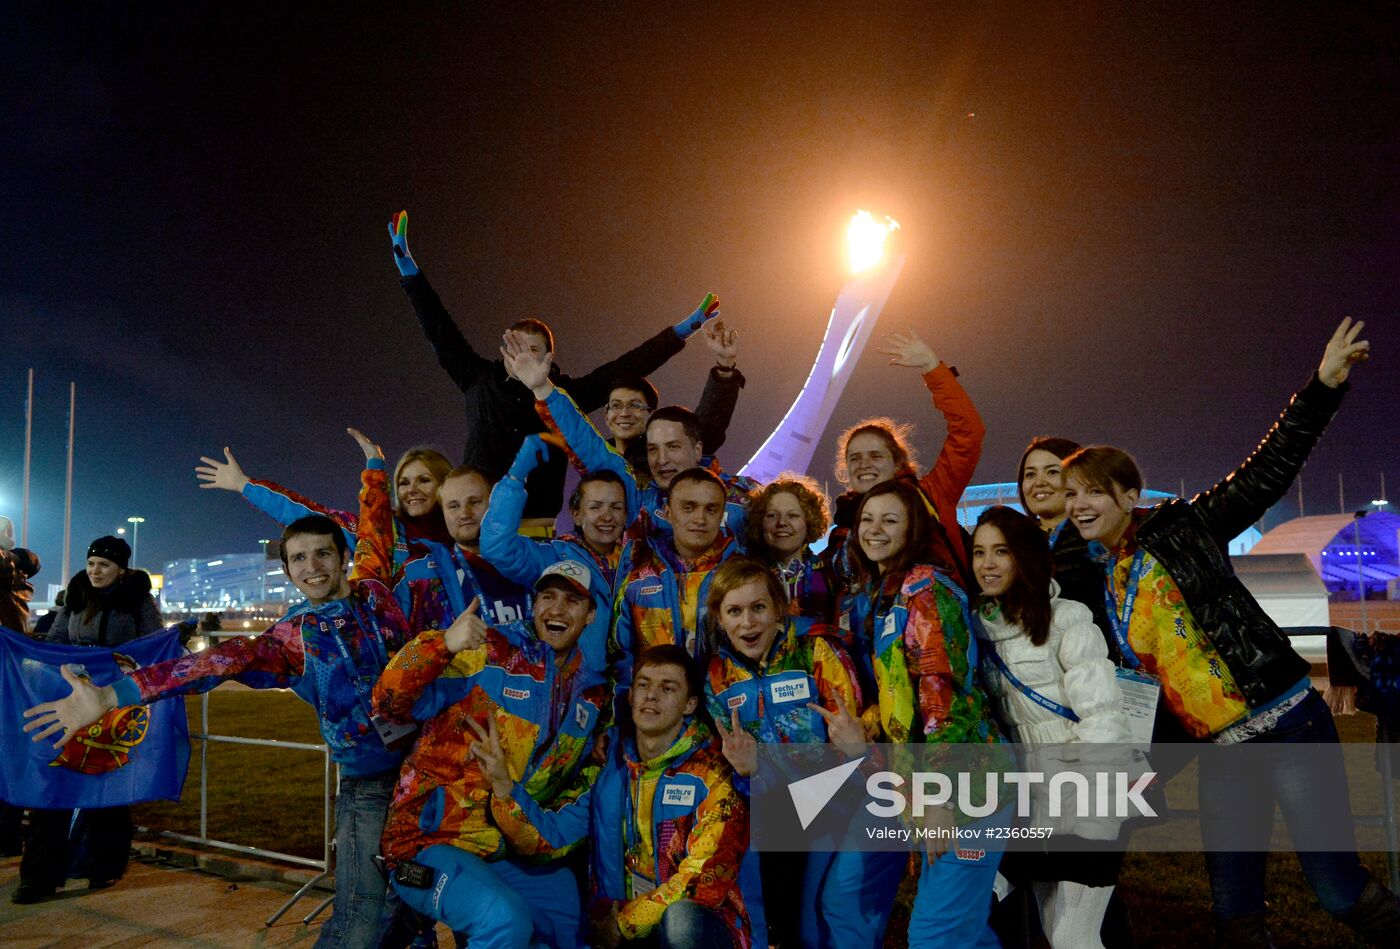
1072 669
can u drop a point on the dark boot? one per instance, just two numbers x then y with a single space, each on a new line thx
1376 915
1243 932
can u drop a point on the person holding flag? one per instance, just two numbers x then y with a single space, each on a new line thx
330 651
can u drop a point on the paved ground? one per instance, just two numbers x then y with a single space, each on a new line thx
156 904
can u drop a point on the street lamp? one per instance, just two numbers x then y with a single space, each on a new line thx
135 523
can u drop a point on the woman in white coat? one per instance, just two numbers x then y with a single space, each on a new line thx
1046 667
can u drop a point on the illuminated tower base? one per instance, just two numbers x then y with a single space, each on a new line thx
791 445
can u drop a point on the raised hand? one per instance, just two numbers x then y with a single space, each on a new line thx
488 751
723 342
842 729
907 349
398 234
524 364
467 631
69 715
1343 351
738 746
371 450
225 475
708 309
534 451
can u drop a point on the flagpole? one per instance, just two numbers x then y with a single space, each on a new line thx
68 489
28 436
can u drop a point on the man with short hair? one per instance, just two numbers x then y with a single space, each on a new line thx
662 597
526 689
602 506
500 412
329 650
668 829
633 399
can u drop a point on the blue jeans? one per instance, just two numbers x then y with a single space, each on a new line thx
363 903
1237 805
499 904
686 925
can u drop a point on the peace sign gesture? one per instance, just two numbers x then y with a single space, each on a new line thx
488 751
738 746
842 729
1343 351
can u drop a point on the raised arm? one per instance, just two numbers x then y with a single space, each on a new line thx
374 546
587 449
952 472
1261 481
591 390
721 394
519 559
462 363
281 504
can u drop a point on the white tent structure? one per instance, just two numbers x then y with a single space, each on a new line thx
1286 586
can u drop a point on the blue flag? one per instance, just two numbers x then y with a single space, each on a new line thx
131 754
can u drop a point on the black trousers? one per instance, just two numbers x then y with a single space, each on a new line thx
101 838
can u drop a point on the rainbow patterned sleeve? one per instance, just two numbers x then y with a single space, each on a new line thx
708 872
535 831
835 675
930 662
270 661
374 543
409 673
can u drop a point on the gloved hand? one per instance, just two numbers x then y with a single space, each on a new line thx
534 451
709 307
398 233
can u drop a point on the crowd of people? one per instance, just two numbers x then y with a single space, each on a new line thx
547 737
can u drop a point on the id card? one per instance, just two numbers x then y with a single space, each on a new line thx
395 735
640 884
1140 696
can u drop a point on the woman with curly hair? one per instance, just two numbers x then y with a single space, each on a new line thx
877 450
782 521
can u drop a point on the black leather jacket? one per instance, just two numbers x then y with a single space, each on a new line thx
1190 539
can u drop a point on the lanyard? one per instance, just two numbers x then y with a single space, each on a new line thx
363 688
1055 534
1038 698
1119 620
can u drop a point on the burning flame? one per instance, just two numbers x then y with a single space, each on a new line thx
866 237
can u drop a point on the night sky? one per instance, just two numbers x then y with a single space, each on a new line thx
1136 226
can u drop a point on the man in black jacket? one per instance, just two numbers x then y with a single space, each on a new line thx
500 411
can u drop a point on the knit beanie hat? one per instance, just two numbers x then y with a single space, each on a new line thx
111 548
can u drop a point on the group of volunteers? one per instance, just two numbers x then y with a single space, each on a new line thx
548 738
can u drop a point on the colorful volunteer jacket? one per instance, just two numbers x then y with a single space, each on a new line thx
814 595
522 559
439 581
941 486
590 451
284 505
546 716
921 655
667 829
662 598
771 697
329 655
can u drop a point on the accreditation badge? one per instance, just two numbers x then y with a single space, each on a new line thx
1140 696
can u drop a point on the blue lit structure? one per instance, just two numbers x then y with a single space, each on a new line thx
1349 552
226 582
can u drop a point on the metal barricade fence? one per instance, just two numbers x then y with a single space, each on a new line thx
205 737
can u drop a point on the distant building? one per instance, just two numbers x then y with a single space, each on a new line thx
227 582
